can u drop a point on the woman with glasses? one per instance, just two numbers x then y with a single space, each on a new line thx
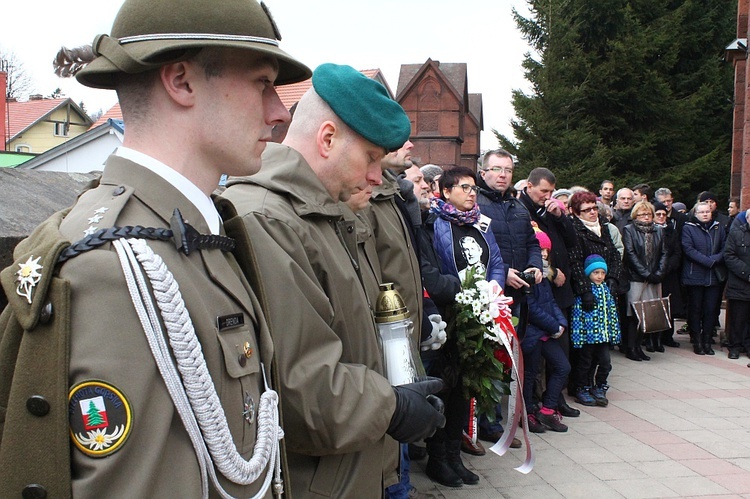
703 273
592 238
645 266
454 240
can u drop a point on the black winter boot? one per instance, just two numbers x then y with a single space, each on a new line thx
437 468
657 342
707 348
453 450
649 342
697 341
638 341
633 355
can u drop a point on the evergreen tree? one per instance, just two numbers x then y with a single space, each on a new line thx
631 90
95 418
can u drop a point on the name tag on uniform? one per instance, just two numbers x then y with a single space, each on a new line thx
483 223
226 322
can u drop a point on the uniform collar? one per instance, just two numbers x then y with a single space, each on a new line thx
203 203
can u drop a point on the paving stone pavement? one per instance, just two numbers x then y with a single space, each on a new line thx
676 426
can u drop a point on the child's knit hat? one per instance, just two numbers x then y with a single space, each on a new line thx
543 238
594 262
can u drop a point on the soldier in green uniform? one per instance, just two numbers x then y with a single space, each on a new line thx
137 362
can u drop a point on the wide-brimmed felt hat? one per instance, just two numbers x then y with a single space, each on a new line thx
147 34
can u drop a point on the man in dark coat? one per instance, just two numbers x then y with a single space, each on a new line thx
737 260
678 219
712 199
511 225
624 203
549 217
511 222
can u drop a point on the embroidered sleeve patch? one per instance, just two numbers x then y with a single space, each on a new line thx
100 418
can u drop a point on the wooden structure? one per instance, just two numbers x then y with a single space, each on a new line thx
446 119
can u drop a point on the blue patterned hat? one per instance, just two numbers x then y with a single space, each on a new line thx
594 262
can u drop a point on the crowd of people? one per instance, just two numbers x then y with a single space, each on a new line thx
584 260
168 338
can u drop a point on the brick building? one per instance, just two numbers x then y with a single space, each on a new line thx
446 119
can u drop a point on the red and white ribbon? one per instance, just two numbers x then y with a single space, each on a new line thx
505 334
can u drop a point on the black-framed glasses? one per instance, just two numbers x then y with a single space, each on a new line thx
589 210
467 188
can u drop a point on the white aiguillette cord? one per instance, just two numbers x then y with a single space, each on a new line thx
196 400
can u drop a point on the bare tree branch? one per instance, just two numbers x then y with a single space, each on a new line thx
20 83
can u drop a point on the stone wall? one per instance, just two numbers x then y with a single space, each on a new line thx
29 197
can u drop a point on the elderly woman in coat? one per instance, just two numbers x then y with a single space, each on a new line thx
645 265
703 273
592 238
451 243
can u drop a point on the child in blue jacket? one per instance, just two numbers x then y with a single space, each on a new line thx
546 323
591 333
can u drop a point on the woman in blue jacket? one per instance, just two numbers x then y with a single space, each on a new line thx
703 272
455 238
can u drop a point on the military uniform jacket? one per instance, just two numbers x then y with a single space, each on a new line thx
336 404
398 257
90 299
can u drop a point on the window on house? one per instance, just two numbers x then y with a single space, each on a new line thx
23 148
61 130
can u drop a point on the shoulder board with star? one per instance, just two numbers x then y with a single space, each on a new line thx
96 209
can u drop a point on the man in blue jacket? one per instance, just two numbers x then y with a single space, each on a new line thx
511 225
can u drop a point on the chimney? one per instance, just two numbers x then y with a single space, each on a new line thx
3 108
36 97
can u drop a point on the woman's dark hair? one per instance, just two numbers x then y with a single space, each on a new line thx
579 198
449 178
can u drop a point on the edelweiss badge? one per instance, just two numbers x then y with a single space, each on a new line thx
100 418
28 277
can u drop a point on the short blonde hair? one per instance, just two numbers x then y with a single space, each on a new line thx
640 206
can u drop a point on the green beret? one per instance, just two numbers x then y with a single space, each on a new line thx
148 34
363 104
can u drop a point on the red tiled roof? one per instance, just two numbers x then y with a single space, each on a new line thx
114 112
24 114
291 94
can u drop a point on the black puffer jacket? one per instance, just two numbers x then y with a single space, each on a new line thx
637 266
737 260
511 224
588 243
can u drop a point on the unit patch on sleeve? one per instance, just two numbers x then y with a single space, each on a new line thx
100 418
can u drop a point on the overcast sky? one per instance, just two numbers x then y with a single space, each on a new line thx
366 34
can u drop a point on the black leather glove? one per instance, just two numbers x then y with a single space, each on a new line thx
653 279
587 301
418 413
612 285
